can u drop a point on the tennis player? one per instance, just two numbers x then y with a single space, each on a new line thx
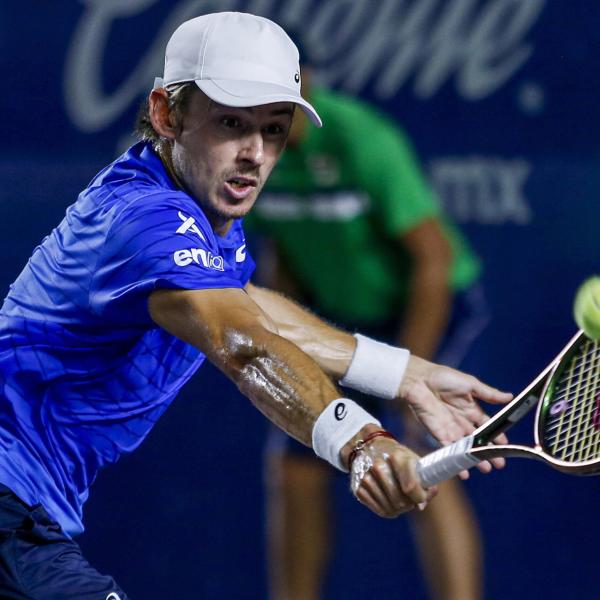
148 275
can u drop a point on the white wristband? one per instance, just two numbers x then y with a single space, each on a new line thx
339 422
376 368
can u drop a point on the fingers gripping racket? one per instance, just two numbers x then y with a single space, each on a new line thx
567 421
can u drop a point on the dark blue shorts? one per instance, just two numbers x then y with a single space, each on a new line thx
38 561
469 317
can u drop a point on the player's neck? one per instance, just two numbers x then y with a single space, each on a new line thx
220 225
164 153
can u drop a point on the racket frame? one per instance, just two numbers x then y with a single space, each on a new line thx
537 393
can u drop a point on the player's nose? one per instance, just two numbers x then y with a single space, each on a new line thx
252 149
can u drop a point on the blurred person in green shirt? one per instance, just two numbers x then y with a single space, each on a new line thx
349 226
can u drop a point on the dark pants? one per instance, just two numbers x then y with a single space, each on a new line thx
39 562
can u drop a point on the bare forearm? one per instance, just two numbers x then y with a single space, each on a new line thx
284 383
279 378
329 347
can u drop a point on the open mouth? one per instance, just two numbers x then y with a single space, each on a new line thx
240 187
241 182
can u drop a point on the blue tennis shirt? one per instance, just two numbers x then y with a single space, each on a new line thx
84 371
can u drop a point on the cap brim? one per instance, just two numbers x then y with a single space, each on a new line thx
254 93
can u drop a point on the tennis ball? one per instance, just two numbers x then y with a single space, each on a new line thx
586 309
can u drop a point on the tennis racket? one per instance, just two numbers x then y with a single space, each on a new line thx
567 421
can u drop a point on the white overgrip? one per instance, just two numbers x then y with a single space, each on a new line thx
446 462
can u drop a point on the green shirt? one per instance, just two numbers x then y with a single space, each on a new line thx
337 205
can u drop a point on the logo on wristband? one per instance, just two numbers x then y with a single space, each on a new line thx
340 411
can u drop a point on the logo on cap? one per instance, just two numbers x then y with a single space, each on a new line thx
297 77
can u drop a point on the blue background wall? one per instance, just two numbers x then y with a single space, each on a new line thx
501 99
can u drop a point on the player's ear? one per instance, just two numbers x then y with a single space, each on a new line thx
160 115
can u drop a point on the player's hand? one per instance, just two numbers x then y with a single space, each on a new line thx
445 402
383 478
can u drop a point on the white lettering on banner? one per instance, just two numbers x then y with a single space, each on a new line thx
479 44
483 190
432 40
87 104
207 259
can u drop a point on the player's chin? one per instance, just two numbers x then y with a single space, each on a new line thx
235 209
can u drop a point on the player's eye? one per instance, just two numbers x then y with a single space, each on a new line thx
230 122
274 129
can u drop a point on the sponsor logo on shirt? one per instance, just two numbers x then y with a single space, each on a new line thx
240 254
113 596
199 256
189 223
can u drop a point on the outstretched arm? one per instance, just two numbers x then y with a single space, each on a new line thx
444 400
289 387
330 347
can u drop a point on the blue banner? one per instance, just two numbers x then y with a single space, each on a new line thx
501 99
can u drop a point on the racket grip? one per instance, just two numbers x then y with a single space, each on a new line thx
446 462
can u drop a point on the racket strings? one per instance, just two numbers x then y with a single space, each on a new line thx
582 436
571 426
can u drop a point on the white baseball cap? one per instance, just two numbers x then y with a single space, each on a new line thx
236 59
